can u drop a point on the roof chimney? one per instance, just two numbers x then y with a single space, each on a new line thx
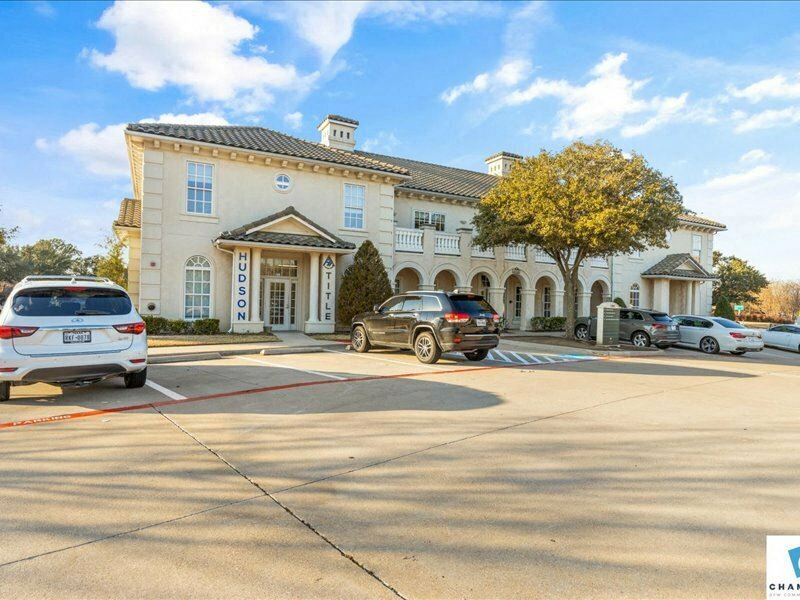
338 132
500 164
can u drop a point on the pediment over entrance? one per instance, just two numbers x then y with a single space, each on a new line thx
285 228
678 266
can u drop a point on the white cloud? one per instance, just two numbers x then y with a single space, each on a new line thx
293 120
508 74
102 150
762 211
44 8
383 143
755 155
666 110
766 119
778 87
195 46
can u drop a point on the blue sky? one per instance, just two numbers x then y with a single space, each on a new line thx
709 93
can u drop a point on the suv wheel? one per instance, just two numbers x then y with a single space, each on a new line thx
476 354
359 339
426 348
709 345
640 339
5 391
582 333
136 380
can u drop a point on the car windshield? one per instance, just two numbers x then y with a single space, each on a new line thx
661 317
71 301
728 324
470 304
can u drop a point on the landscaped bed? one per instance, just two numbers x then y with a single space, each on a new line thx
170 341
331 337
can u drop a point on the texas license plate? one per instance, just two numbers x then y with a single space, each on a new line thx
480 322
79 336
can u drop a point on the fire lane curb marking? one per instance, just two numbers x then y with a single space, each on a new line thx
272 388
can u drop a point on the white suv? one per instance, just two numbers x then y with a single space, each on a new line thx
69 330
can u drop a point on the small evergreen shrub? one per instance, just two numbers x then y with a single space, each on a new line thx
620 302
162 326
548 323
724 309
155 325
205 327
364 284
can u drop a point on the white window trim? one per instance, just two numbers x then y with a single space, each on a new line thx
344 208
212 216
430 214
275 183
210 284
635 287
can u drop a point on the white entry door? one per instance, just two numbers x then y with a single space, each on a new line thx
280 300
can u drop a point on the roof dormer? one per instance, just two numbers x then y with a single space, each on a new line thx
338 132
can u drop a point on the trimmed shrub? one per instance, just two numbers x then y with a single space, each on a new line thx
178 326
620 302
155 325
364 284
205 327
724 309
548 323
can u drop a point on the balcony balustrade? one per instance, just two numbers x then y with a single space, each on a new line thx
407 240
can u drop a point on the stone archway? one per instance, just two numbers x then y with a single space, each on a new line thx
599 293
545 297
445 281
481 283
407 279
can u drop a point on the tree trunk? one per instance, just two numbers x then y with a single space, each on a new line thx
570 277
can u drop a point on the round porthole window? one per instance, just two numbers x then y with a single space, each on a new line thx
283 182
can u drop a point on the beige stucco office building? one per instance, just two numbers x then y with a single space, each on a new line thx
255 227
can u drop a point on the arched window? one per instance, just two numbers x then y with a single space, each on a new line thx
197 289
485 284
635 295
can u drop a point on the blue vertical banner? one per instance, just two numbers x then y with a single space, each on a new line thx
328 288
241 276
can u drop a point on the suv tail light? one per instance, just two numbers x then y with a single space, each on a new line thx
134 328
8 332
737 335
457 317
658 326
495 317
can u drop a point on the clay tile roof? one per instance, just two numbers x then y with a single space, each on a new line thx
698 220
260 139
670 266
130 213
342 119
504 153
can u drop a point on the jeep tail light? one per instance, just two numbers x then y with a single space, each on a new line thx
737 335
134 328
7 332
457 317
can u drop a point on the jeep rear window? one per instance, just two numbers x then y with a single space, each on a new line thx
70 301
661 317
470 304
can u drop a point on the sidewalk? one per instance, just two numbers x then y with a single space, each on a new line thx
291 342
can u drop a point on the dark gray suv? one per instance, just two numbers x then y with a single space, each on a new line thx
429 323
640 327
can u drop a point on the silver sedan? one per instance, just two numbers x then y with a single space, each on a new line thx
786 337
714 334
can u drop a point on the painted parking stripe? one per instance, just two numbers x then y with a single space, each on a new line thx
384 359
534 358
519 358
266 363
160 388
502 356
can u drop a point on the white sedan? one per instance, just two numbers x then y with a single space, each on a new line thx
715 334
783 336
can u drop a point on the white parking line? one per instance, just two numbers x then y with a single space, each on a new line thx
168 393
534 358
381 358
280 366
518 357
502 356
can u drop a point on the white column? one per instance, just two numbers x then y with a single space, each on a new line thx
313 288
700 309
585 304
689 297
528 307
661 295
497 300
328 291
255 285
558 304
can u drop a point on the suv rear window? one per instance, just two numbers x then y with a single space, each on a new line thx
470 304
70 301
661 317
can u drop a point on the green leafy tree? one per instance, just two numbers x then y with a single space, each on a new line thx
589 200
364 284
738 281
112 263
45 257
6 234
723 308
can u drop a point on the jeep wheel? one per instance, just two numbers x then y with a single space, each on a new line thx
359 340
426 348
136 380
5 391
476 354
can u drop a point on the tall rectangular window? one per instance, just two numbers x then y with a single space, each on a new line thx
354 206
424 217
199 184
546 304
518 302
697 245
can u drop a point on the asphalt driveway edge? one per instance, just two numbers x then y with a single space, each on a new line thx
199 356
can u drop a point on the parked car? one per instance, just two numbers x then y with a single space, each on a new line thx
640 327
429 323
783 336
715 334
69 330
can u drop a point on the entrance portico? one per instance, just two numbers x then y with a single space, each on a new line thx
677 281
284 274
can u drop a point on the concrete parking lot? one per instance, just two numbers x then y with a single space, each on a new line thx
333 474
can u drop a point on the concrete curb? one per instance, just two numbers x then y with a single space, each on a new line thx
200 356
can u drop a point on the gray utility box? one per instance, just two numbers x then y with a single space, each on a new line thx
608 324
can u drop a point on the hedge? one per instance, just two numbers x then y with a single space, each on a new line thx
548 323
162 326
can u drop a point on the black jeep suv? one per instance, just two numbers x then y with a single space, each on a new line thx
429 323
